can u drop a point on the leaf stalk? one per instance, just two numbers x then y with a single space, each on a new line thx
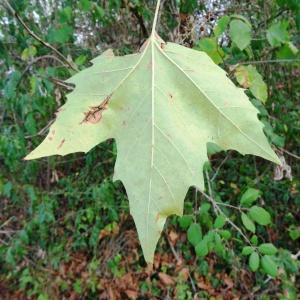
155 18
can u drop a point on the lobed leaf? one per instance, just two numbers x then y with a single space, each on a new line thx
162 105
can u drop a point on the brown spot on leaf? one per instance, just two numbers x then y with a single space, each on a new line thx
171 96
61 143
162 45
51 135
94 115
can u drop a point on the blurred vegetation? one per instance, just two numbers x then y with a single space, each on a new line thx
65 228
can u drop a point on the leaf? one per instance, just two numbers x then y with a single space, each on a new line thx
249 197
248 223
225 234
287 51
269 266
277 33
185 221
267 248
259 215
219 222
194 234
201 248
247 250
254 261
240 33
162 106
28 53
248 77
294 232
60 35
210 46
221 26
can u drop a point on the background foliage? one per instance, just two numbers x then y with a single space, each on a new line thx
65 229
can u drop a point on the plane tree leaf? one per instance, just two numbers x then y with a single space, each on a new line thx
162 106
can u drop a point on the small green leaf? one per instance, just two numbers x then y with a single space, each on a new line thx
225 234
185 221
28 53
202 249
254 240
194 234
249 196
210 46
269 266
287 51
247 250
221 26
85 5
204 208
267 248
240 33
259 215
294 232
277 33
248 77
254 261
248 223
219 222
219 248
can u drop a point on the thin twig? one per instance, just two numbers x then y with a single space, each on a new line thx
219 167
36 37
7 221
180 261
232 206
35 60
42 131
216 207
290 153
268 61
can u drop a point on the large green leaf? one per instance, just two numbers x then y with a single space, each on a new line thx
162 105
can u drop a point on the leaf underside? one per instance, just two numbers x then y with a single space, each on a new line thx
162 106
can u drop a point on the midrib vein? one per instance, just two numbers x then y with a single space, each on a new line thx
152 135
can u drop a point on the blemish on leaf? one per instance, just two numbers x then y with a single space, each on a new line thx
162 45
171 96
61 143
94 115
52 135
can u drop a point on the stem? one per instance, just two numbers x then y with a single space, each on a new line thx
155 18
